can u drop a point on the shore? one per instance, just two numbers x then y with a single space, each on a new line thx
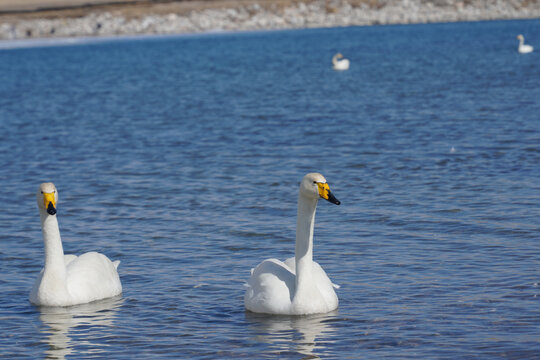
64 18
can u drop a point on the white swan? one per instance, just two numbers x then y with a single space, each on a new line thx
298 286
67 279
523 48
340 63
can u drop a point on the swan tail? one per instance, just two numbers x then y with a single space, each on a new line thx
336 286
116 263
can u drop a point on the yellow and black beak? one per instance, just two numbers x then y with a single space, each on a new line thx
325 193
49 202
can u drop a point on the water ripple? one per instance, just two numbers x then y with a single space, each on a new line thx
181 157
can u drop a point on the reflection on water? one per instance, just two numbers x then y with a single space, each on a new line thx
307 335
202 142
80 324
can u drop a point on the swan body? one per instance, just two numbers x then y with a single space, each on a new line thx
523 48
298 285
339 63
68 279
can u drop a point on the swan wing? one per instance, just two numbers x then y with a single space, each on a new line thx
92 276
291 264
69 258
524 49
270 287
342 64
324 284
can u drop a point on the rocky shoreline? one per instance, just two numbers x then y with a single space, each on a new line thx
257 15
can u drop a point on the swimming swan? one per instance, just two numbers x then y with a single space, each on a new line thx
298 286
342 64
523 48
67 279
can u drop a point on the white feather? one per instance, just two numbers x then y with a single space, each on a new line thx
68 279
274 286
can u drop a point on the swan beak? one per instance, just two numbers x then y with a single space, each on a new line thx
325 193
48 201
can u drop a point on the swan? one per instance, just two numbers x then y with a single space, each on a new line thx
342 64
67 279
297 286
523 48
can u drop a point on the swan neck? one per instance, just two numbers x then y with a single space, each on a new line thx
54 252
334 60
304 240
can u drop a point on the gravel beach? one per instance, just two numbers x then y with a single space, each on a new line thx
62 18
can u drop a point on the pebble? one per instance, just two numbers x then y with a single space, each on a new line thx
311 14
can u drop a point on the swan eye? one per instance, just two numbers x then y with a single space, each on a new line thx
314 182
42 192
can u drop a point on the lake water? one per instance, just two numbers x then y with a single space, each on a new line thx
181 157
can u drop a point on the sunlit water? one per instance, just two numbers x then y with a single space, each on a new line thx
181 157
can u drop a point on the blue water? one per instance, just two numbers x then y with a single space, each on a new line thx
181 157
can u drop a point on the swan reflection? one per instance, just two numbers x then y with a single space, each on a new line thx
306 335
86 322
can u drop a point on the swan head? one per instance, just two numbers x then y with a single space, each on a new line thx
47 198
314 185
520 37
339 55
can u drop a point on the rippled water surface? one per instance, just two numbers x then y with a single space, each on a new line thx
181 157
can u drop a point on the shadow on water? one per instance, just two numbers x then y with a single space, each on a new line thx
85 324
306 335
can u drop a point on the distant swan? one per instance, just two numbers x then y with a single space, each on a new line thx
342 64
297 286
67 279
523 48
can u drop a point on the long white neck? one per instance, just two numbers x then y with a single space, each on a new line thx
304 241
521 41
54 253
335 60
